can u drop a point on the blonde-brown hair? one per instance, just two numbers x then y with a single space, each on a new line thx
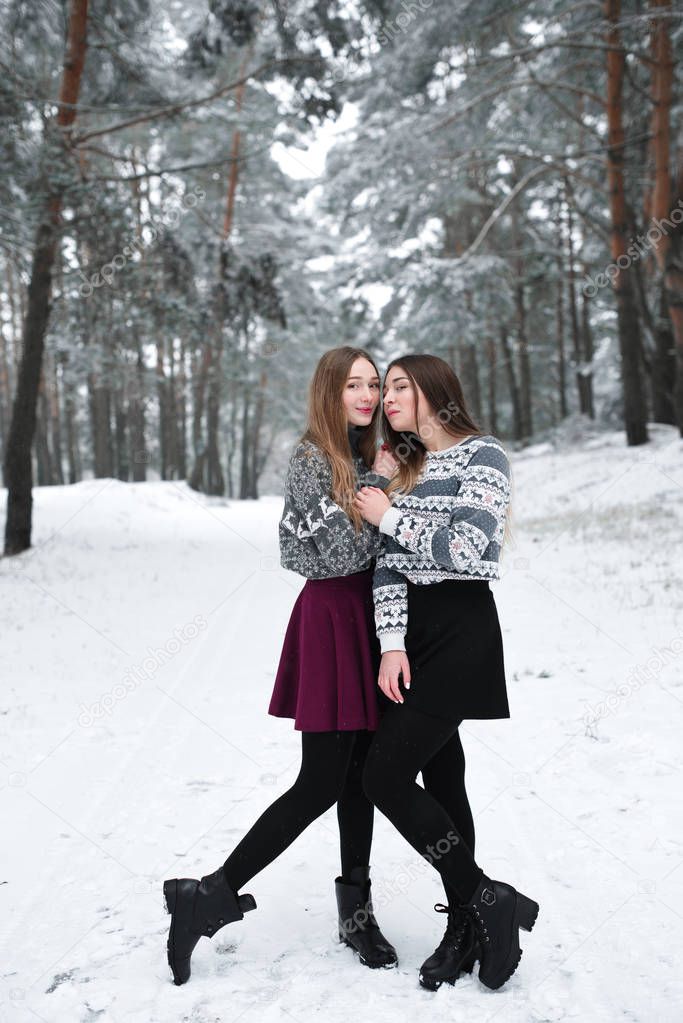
443 393
327 425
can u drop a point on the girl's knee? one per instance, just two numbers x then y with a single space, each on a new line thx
315 797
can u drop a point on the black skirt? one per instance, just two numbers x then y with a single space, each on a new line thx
455 650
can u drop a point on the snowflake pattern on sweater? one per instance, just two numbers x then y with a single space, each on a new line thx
317 538
450 526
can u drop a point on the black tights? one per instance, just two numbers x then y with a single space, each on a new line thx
332 765
434 819
331 772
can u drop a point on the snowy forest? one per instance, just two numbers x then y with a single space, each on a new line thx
501 185
199 199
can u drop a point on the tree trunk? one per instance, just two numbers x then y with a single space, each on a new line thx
164 413
215 481
231 439
181 410
669 248
561 358
628 325
73 452
173 411
18 470
663 365
583 385
42 446
207 470
55 422
509 366
587 354
491 354
257 427
121 434
525 413
136 415
100 421
5 390
244 452
200 374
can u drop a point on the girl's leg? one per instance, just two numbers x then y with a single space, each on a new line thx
324 764
444 779
202 907
358 926
405 741
355 812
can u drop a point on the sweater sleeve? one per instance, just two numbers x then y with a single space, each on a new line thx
390 597
480 506
369 478
309 481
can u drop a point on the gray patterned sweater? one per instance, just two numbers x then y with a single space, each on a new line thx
450 526
317 538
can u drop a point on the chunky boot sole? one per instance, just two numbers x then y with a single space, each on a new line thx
526 912
344 940
169 905
433 984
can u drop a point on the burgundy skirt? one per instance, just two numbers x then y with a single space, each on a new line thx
327 676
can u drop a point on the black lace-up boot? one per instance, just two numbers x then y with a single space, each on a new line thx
357 925
457 951
198 908
498 911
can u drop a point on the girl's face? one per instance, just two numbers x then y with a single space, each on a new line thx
361 393
399 401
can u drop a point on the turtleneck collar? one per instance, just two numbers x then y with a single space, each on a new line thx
355 433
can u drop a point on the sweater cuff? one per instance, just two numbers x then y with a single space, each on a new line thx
389 521
391 641
373 479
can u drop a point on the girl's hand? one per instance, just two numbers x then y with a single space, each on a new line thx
393 662
372 503
385 463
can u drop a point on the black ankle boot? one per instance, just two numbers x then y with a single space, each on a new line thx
198 908
457 951
357 925
498 911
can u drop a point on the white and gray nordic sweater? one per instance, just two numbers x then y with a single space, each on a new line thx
317 537
450 526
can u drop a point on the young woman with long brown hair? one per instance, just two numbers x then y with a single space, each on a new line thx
443 517
327 670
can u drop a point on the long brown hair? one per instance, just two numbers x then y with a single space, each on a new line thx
327 425
443 392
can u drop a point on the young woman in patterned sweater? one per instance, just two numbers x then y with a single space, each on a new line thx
327 670
443 517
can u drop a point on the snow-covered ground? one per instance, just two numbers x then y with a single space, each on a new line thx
140 636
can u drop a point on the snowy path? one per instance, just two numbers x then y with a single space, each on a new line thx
164 612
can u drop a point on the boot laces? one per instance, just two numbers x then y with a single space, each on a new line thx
456 928
480 920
